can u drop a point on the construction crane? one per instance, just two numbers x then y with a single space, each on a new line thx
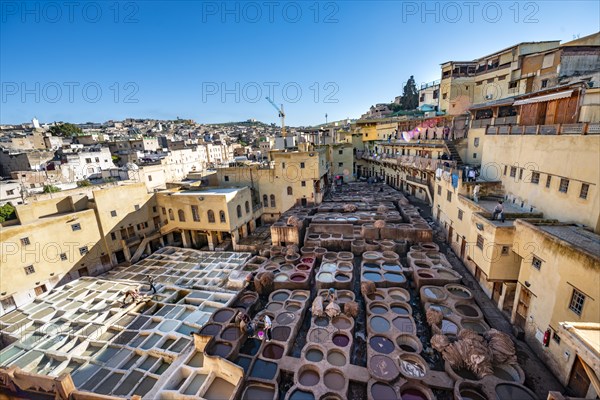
281 115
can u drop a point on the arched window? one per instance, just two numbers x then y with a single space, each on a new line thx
171 216
181 216
239 211
265 200
273 201
211 216
290 191
247 207
222 216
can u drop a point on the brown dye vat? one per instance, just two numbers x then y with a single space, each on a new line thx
382 391
299 297
466 310
341 322
285 318
274 306
383 367
281 333
280 296
231 334
220 349
424 274
210 330
408 343
340 340
472 394
337 358
381 344
309 377
334 380
293 307
222 315
302 267
273 351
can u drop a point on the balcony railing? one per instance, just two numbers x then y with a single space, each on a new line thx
554 129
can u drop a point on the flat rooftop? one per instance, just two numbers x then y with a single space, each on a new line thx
575 236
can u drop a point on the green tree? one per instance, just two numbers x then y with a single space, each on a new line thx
84 183
410 96
65 129
7 212
51 189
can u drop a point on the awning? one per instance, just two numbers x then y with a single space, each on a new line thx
548 97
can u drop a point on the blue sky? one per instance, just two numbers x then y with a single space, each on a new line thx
216 61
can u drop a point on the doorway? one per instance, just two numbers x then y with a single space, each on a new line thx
579 382
497 292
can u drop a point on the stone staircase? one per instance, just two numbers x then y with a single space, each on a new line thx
454 153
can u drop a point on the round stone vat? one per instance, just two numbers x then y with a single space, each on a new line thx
341 277
401 308
298 394
223 315
285 318
394 278
331 256
399 294
345 296
321 321
313 354
318 335
345 256
469 391
293 306
476 326
443 309
409 343
379 324
458 291
292 258
514 391
376 296
380 390
372 276
378 308
415 391
383 368
281 277
299 296
449 328
281 333
231 333
433 294
325 277
221 349
286 268
272 351
340 339
371 255
258 391
412 366
334 379
467 310
274 306
308 376
210 329
390 256
342 322
302 267
425 273
381 344
511 373
405 324
429 246
308 260
280 295
336 358
423 264
345 266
